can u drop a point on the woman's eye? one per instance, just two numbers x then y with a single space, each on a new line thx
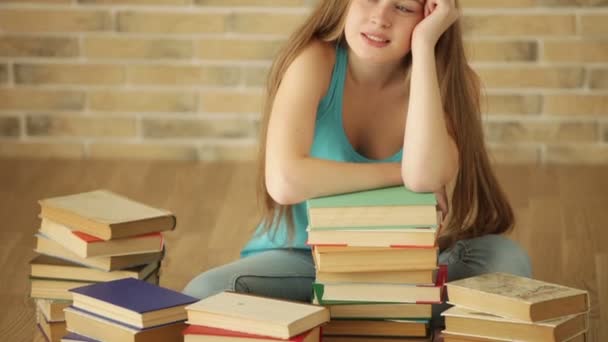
402 8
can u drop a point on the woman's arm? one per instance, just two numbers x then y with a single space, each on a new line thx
430 157
292 175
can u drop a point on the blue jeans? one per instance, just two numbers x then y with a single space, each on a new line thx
289 274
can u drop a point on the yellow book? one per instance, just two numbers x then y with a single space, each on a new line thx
517 297
106 215
463 321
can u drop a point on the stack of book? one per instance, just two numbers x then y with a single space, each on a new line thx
503 307
375 257
88 238
236 317
126 310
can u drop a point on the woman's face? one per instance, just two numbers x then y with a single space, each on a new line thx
381 30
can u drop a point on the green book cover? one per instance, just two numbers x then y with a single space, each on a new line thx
390 196
318 290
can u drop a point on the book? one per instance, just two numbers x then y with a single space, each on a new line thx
374 339
73 337
46 246
373 237
133 302
106 215
373 259
53 289
397 328
197 333
378 293
453 337
103 329
58 289
53 331
517 297
370 310
391 206
256 315
459 320
380 277
86 246
51 309
45 266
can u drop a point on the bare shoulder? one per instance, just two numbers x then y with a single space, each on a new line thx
314 63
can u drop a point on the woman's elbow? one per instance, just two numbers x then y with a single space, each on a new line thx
280 189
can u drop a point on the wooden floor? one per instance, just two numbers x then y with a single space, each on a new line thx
562 221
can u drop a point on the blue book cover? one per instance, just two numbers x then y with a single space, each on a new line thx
135 295
75 337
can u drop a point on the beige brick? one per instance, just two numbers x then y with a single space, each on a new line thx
44 2
579 154
514 154
573 3
41 150
11 46
566 104
231 102
541 131
142 151
120 47
197 128
265 23
501 51
228 152
273 3
184 75
519 25
3 73
89 74
28 21
532 77
598 78
166 23
512 104
491 4
576 51
238 49
80 126
10 126
135 2
38 99
142 101
594 24
255 76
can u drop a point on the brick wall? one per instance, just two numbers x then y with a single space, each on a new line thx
182 79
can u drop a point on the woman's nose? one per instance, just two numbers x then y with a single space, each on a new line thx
381 17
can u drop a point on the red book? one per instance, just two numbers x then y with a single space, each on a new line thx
199 333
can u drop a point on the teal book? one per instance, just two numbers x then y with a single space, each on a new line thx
387 208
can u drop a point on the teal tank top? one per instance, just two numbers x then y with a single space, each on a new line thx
330 143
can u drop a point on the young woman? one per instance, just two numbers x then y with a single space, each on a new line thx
369 94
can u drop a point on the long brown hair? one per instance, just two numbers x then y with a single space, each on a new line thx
478 204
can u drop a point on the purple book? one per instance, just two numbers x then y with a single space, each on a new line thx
135 295
73 337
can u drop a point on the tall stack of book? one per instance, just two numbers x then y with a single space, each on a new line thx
375 257
126 310
503 307
87 238
236 317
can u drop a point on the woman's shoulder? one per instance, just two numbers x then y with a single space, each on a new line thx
317 59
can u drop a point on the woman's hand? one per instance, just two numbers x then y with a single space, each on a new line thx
439 15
